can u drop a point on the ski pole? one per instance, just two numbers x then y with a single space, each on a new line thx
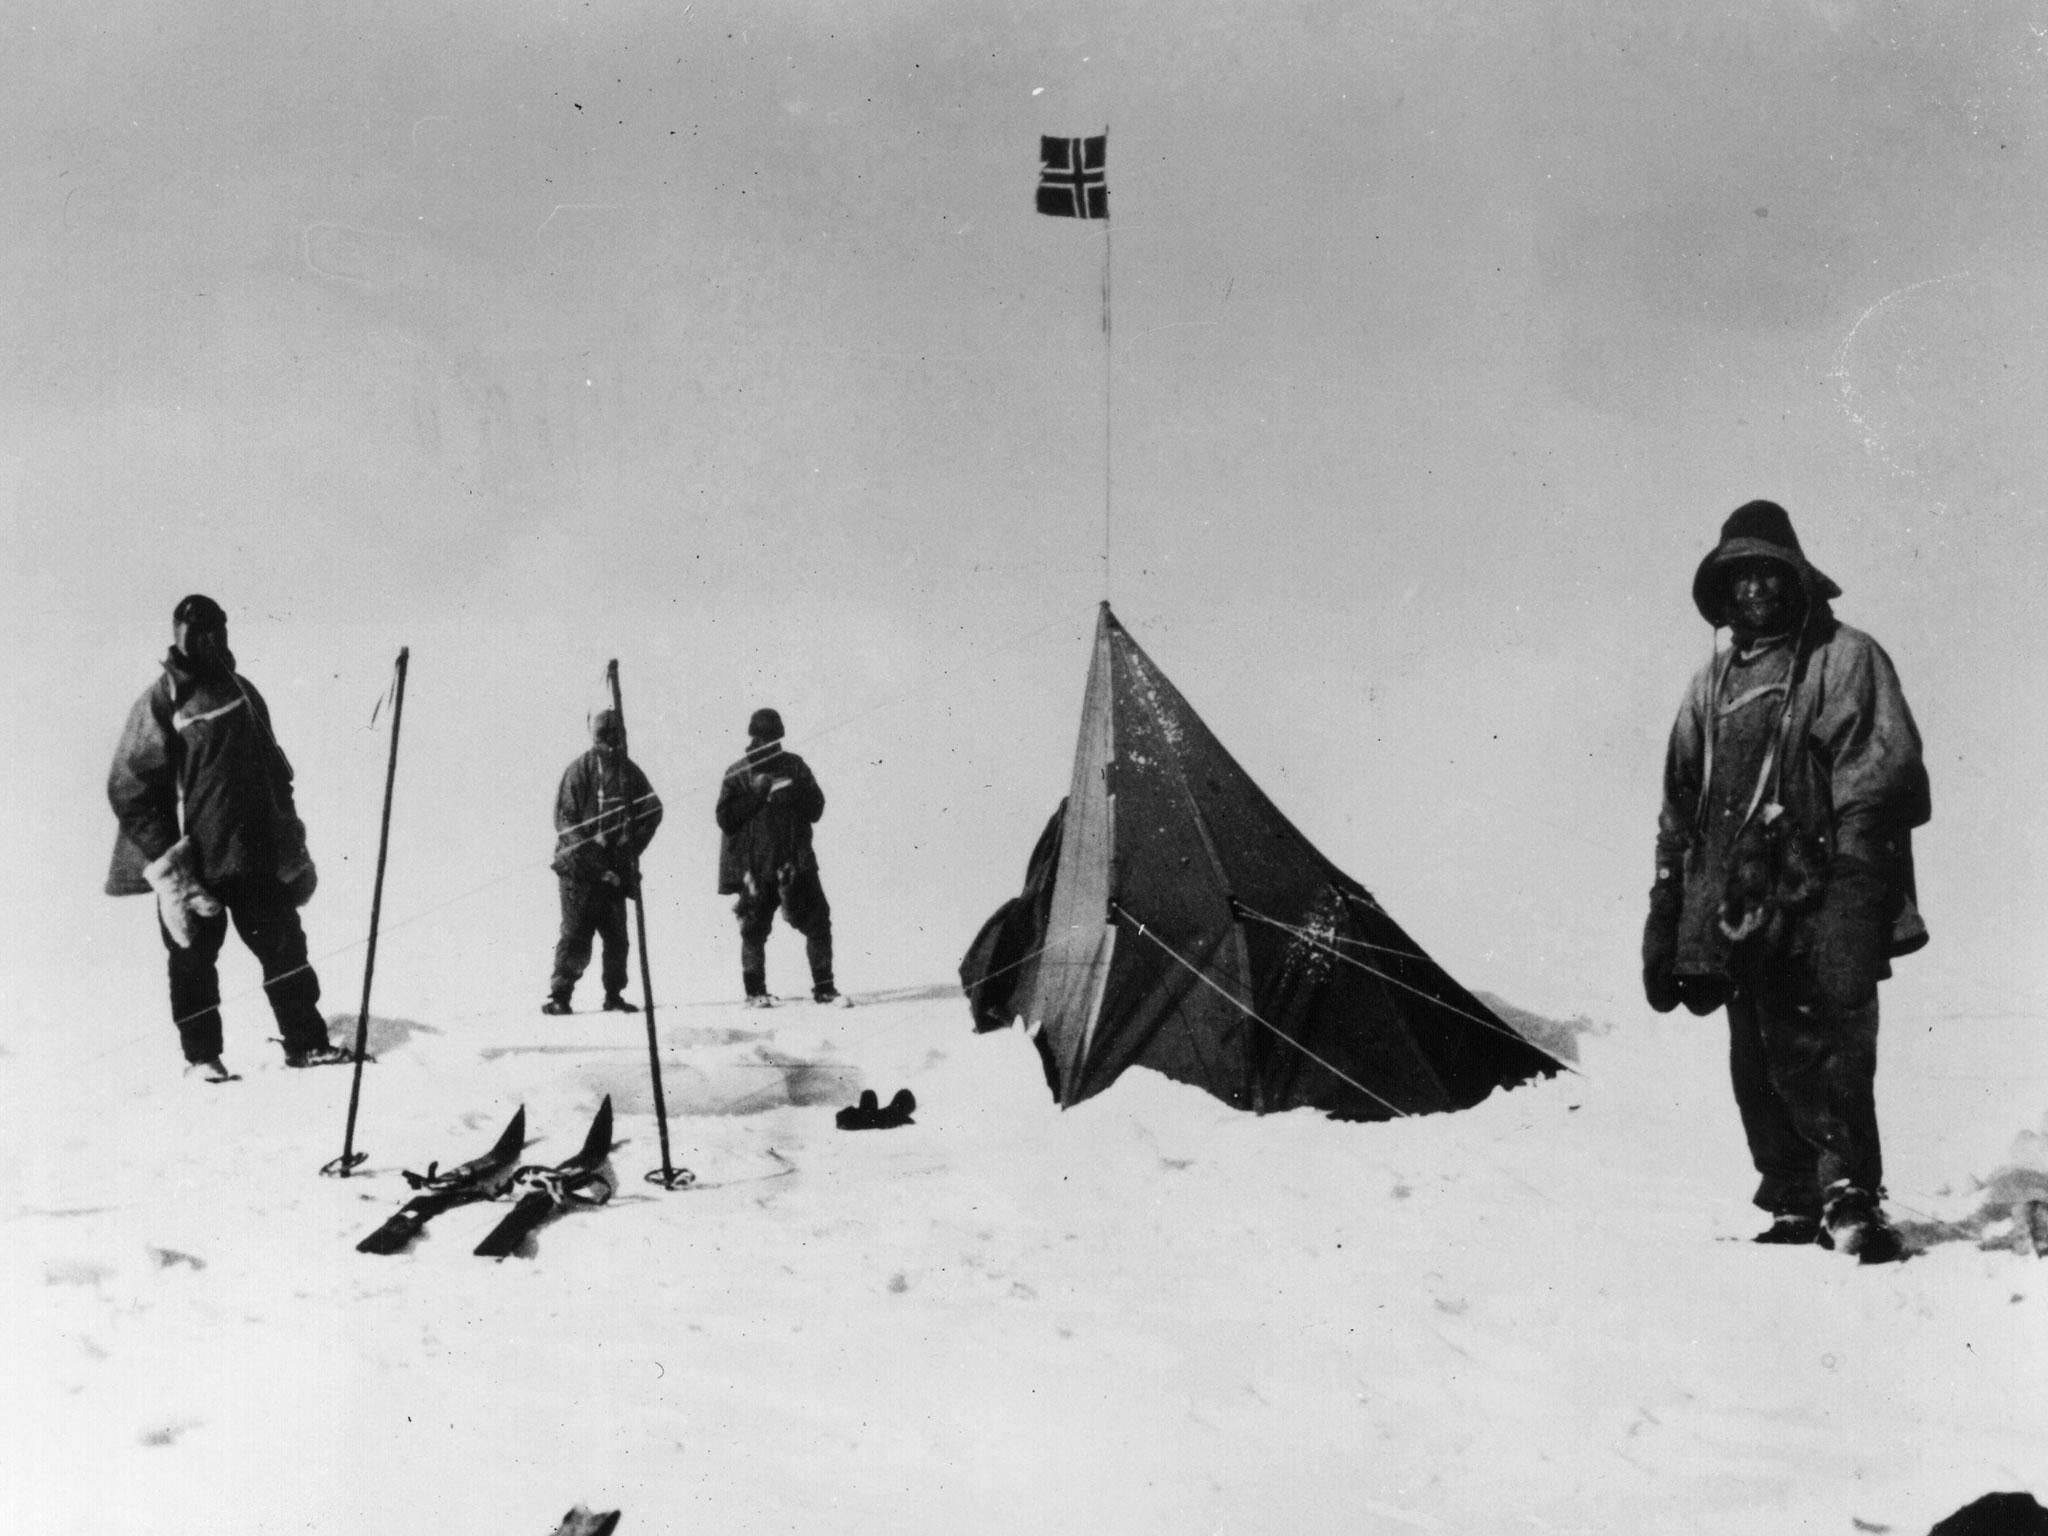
668 1176
350 1158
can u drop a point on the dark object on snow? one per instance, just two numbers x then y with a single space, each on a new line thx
2032 1218
1174 919
871 1115
1996 1514
482 1178
583 1180
588 1522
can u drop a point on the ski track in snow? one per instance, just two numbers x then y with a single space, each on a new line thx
1147 1314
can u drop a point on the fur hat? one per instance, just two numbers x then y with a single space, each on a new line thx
199 611
764 725
1756 530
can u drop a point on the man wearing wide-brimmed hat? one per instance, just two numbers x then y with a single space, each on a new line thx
1784 883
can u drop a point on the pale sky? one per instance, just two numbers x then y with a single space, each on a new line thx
725 340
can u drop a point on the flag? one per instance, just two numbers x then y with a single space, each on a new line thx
1074 183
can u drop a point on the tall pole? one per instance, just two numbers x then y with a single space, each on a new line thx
350 1158
1107 365
668 1176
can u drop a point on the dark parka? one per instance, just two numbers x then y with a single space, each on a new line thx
605 816
198 757
1852 775
765 833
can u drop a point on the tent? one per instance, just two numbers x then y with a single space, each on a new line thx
1172 918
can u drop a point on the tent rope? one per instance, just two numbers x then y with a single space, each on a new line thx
1210 982
1507 1173
1308 936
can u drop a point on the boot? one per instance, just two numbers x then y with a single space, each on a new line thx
1793 1228
1858 1226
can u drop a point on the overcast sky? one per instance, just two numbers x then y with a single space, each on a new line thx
725 340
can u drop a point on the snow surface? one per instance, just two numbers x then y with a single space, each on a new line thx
1146 1314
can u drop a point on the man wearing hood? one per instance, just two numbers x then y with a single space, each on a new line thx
605 816
203 796
1784 884
767 804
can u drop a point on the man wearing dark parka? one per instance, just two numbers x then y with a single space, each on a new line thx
1784 876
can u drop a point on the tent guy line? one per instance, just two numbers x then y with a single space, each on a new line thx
1209 981
1117 910
1309 937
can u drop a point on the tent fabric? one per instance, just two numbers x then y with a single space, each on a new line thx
1172 918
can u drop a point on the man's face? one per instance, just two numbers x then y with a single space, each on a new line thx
1762 591
203 643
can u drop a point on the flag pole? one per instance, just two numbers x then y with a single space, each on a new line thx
1107 372
668 1176
350 1158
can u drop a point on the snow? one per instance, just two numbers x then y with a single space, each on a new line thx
1146 1314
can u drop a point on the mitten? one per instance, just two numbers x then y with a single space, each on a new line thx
1660 939
295 871
180 898
299 878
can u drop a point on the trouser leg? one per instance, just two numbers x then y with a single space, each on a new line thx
1811 1074
1845 963
756 913
269 925
195 985
1783 1156
810 914
611 930
572 949
1803 1047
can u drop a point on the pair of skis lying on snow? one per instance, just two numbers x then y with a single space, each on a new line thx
544 1191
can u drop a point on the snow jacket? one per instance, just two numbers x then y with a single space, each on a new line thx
766 829
606 814
1849 777
198 757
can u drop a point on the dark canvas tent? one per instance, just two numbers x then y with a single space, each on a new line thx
1172 918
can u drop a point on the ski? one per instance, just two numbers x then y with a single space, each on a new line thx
483 1178
583 1180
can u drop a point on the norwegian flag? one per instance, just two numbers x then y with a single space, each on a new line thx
1074 183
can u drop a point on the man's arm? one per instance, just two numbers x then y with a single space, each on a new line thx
738 799
801 793
1684 758
1865 736
142 784
645 816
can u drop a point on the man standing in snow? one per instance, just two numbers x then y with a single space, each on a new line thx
1784 882
766 807
203 795
605 816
